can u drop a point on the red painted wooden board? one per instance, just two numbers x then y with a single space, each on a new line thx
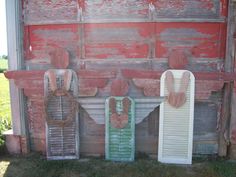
190 8
117 40
119 9
47 11
199 40
147 81
127 40
36 11
134 32
44 38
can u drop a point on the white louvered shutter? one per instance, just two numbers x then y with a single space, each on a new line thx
176 125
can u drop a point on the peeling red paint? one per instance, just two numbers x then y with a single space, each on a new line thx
233 136
119 87
207 4
22 74
36 123
119 9
204 89
177 59
117 40
142 74
99 83
32 84
150 87
59 58
178 4
94 31
198 39
81 4
34 92
96 74
49 10
45 38
87 91
189 8
224 8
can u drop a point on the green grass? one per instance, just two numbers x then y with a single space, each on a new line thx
5 111
3 65
36 166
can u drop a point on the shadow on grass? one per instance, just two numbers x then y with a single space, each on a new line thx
35 165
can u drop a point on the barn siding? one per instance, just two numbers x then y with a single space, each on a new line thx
129 39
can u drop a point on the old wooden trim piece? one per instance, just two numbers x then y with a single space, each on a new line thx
224 121
128 73
228 99
231 51
226 102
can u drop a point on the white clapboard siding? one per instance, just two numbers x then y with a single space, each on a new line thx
176 125
95 107
62 142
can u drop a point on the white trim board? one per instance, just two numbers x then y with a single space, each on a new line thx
15 60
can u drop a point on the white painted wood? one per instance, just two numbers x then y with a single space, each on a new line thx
176 125
15 60
95 107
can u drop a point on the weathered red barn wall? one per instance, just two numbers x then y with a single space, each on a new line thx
132 40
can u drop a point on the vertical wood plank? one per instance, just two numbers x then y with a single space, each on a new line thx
227 104
223 126
232 152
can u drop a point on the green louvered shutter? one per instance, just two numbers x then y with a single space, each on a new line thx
120 143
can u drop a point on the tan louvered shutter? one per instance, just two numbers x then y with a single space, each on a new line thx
62 141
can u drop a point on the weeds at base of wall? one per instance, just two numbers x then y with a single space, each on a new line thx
4 125
3 65
5 112
36 165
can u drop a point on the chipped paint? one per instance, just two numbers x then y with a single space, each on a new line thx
36 11
117 40
150 87
187 8
202 40
125 39
43 39
119 9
